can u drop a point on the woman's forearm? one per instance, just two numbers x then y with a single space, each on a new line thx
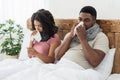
44 58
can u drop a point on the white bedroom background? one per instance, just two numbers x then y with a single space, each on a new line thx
19 10
107 9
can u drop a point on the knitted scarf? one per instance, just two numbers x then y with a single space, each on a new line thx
90 33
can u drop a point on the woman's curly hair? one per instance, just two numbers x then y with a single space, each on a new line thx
47 21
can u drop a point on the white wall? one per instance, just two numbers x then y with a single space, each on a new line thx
107 9
19 10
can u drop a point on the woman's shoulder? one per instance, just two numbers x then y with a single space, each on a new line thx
55 37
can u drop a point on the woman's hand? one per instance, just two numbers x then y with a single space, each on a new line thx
32 52
33 32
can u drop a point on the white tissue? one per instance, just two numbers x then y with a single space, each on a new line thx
36 37
80 24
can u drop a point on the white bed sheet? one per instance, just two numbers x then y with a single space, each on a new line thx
33 69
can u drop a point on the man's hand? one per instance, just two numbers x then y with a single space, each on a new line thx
81 32
72 33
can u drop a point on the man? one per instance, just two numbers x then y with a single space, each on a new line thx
87 45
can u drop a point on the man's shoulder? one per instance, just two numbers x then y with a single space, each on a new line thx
101 34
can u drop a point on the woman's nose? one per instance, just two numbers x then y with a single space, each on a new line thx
36 27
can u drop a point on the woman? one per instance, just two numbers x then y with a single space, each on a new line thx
43 23
42 51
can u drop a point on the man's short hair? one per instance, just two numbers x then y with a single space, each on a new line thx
89 9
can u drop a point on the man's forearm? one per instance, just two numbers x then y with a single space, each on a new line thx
63 48
93 56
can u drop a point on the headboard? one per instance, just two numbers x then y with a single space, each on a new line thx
110 27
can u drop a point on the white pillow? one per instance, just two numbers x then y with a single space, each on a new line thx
23 53
114 77
105 67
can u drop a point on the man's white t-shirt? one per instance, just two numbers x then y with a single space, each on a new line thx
75 53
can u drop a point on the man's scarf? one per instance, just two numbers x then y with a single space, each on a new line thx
91 33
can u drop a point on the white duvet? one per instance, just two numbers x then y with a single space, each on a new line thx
34 69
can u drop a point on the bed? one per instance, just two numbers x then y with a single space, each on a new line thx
110 27
34 69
